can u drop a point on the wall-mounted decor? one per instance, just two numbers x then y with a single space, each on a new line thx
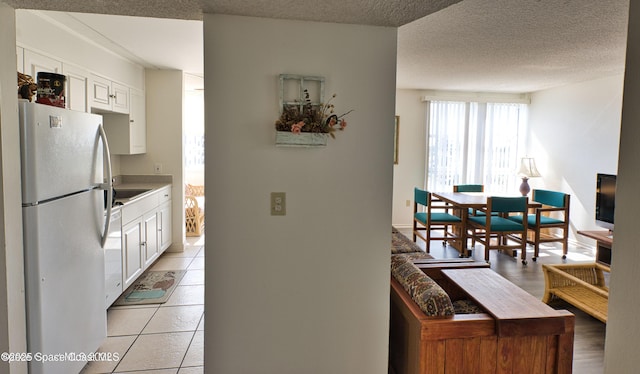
305 118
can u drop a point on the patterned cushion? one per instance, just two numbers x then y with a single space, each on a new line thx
424 291
466 307
414 256
402 244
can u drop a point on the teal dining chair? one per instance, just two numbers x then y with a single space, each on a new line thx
468 188
554 214
499 231
430 214
471 188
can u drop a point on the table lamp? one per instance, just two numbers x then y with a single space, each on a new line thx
527 170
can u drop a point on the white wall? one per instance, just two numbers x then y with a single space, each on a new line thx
410 170
574 132
164 99
307 292
12 304
623 328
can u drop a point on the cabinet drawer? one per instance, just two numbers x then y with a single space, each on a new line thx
164 195
139 207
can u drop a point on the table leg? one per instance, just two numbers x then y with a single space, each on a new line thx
461 232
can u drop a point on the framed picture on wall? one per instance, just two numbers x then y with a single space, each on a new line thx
396 129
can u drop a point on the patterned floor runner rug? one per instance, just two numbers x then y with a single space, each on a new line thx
153 287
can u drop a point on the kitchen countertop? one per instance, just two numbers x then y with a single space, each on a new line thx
139 182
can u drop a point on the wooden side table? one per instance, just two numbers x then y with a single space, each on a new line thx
604 245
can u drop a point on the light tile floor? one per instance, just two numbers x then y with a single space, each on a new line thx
161 338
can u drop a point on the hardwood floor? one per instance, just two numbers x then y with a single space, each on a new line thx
588 353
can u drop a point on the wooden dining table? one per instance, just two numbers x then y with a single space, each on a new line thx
462 202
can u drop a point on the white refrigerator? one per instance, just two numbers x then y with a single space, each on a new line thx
64 155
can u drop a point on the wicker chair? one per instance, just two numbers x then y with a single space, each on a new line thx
582 285
194 210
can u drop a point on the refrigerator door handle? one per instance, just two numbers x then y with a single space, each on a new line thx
107 185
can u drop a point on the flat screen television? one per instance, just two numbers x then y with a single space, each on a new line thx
605 200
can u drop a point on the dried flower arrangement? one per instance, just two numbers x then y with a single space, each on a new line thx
309 117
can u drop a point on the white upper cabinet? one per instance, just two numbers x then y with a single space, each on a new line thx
138 123
77 87
20 59
35 62
127 134
107 95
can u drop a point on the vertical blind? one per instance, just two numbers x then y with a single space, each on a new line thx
470 142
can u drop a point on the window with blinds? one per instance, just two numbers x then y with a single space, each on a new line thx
471 142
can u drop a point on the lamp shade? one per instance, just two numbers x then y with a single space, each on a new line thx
528 168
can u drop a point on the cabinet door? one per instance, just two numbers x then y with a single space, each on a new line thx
35 63
77 87
138 123
119 98
164 216
20 58
132 241
150 248
100 93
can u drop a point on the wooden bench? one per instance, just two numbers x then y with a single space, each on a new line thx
581 285
516 334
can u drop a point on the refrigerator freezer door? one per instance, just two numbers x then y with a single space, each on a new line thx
61 151
64 276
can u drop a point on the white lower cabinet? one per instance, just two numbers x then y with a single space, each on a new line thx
164 218
150 249
146 233
131 252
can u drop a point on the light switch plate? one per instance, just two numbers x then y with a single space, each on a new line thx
278 204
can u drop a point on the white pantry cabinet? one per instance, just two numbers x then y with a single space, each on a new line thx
110 96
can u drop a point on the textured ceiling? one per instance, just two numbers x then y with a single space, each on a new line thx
513 45
364 12
470 45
